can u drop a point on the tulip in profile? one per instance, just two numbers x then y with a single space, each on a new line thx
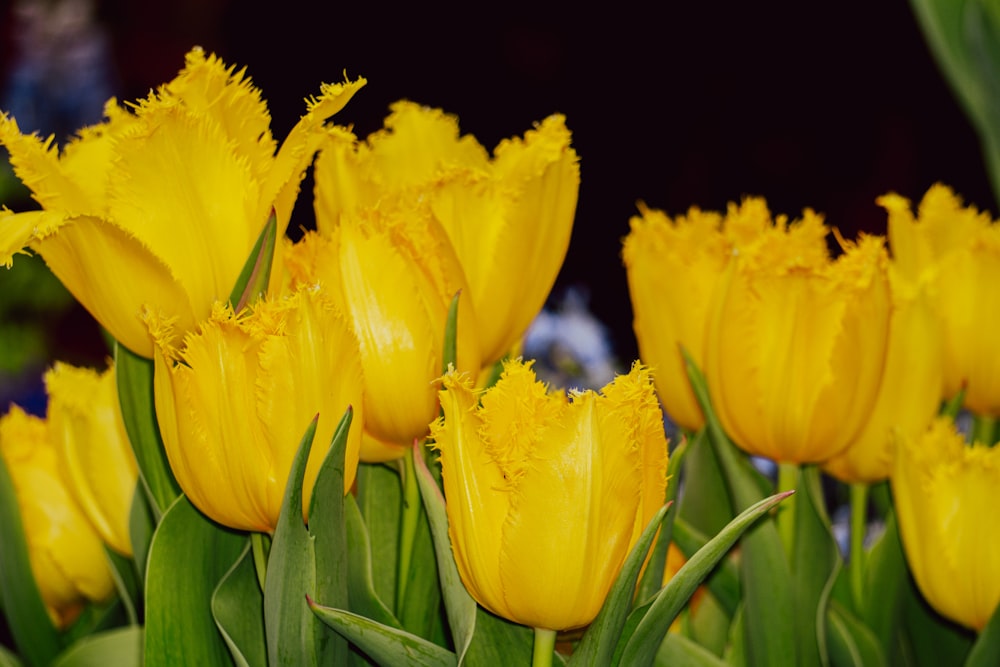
234 402
508 216
85 424
66 555
942 486
171 194
546 495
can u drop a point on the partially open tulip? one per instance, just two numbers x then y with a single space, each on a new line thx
66 554
234 402
545 495
943 490
96 459
392 271
796 341
509 216
160 205
957 249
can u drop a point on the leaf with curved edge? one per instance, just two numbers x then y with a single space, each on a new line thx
656 564
986 649
126 583
387 646
599 642
885 577
34 635
724 583
256 273
140 531
360 586
121 647
134 376
641 647
238 611
187 558
379 500
8 659
851 642
679 651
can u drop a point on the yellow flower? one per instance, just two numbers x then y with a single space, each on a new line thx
509 217
910 392
796 342
96 458
958 250
942 489
546 496
393 273
234 403
172 196
66 555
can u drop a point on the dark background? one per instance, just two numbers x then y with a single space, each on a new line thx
821 105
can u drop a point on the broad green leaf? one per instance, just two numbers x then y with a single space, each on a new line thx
986 650
599 642
187 558
652 577
134 375
705 504
252 281
724 582
140 530
380 499
36 639
931 640
361 589
851 642
769 613
679 651
459 605
641 647
498 641
121 647
709 622
387 646
885 577
238 611
127 583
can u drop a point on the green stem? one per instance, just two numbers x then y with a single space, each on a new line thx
788 478
984 430
408 527
856 556
545 646
260 545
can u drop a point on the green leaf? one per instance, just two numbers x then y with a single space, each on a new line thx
36 639
599 642
449 354
679 651
930 639
140 531
768 614
641 647
459 605
121 647
238 611
252 281
885 577
8 659
986 650
652 577
851 642
127 583
497 641
709 623
387 646
380 499
361 588
187 558
705 504
724 582
134 375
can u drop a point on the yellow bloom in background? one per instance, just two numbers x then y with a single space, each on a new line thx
172 196
67 556
545 495
96 459
796 342
234 403
943 489
910 392
508 217
957 249
394 274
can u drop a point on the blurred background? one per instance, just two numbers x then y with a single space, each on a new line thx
809 105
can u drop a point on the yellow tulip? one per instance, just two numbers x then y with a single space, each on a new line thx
173 196
796 342
66 555
910 392
546 496
509 217
234 403
942 487
957 249
393 273
96 458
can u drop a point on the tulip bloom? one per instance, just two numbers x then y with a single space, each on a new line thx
234 403
96 458
796 342
547 496
941 487
508 217
957 249
173 196
66 555
393 273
